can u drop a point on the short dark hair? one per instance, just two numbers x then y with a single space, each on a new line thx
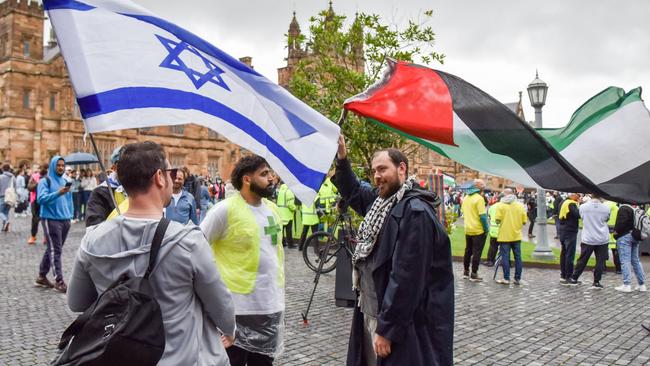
246 165
138 163
6 167
396 156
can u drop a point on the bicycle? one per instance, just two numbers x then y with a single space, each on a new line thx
322 247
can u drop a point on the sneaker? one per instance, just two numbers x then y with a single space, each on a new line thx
61 287
563 281
641 288
465 274
42 281
475 278
488 264
503 281
596 286
572 282
517 283
623 288
5 227
618 272
531 236
32 240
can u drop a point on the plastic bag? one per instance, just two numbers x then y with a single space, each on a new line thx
262 334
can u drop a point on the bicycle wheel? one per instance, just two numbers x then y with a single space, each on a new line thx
314 251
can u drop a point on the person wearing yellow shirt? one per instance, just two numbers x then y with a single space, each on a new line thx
476 228
511 217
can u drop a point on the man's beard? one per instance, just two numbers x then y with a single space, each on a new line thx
261 191
392 188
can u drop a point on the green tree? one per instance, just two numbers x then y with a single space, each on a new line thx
342 63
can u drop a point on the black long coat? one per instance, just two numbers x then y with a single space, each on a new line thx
412 271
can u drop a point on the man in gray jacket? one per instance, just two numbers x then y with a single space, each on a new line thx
197 309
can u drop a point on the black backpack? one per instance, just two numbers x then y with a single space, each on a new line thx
122 327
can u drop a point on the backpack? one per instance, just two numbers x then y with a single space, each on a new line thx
123 326
10 195
641 229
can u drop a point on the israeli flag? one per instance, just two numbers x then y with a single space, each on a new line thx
131 69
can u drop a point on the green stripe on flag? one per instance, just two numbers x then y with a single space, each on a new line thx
596 109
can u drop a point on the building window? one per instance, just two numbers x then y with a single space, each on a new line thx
213 166
26 48
26 96
177 160
105 148
52 102
145 130
177 130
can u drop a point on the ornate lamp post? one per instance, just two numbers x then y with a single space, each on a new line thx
537 93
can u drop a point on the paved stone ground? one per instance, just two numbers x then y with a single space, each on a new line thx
541 323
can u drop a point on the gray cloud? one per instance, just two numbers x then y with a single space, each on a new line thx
579 46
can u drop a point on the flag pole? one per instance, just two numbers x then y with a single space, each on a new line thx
343 118
101 166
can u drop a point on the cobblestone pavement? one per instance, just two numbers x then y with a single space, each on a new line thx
540 323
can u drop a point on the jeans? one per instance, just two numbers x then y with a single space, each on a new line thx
4 211
204 210
473 249
56 231
628 250
601 252
505 259
568 240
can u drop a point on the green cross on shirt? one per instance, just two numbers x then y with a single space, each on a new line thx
273 229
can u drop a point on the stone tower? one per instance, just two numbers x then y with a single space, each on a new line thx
21 30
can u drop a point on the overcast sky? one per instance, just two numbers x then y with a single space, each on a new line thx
579 47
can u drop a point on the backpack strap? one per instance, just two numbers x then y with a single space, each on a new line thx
155 244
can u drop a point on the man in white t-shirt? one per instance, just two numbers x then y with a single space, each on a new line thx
245 233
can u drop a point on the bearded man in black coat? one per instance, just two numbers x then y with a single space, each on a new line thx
401 268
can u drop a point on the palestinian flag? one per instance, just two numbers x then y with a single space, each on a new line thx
603 150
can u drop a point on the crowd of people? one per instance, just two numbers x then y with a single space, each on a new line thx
603 226
220 264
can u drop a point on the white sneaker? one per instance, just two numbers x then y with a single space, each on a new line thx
623 288
503 281
641 288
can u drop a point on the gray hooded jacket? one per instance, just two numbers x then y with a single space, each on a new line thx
193 298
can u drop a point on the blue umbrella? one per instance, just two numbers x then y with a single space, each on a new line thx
81 158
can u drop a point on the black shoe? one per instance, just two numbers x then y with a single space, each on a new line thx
465 274
488 263
596 286
292 246
475 278
517 283
563 281
618 272
572 282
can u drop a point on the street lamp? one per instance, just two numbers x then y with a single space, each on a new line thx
537 93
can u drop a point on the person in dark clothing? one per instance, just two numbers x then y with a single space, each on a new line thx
531 212
557 203
402 268
628 250
36 208
569 217
100 203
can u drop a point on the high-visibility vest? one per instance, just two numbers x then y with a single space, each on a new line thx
286 203
494 227
327 194
309 215
237 253
613 212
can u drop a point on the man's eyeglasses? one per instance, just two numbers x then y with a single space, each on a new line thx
172 172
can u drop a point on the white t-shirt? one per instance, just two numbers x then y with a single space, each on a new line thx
177 196
595 216
267 296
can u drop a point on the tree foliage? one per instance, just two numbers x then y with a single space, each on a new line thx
343 62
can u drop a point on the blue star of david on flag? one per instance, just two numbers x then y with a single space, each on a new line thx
173 61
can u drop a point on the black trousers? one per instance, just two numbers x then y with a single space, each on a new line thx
36 211
305 230
288 233
585 253
241 357
617 260
473 249
492 251
532 225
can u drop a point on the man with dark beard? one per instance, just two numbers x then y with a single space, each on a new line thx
402 268
246 238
